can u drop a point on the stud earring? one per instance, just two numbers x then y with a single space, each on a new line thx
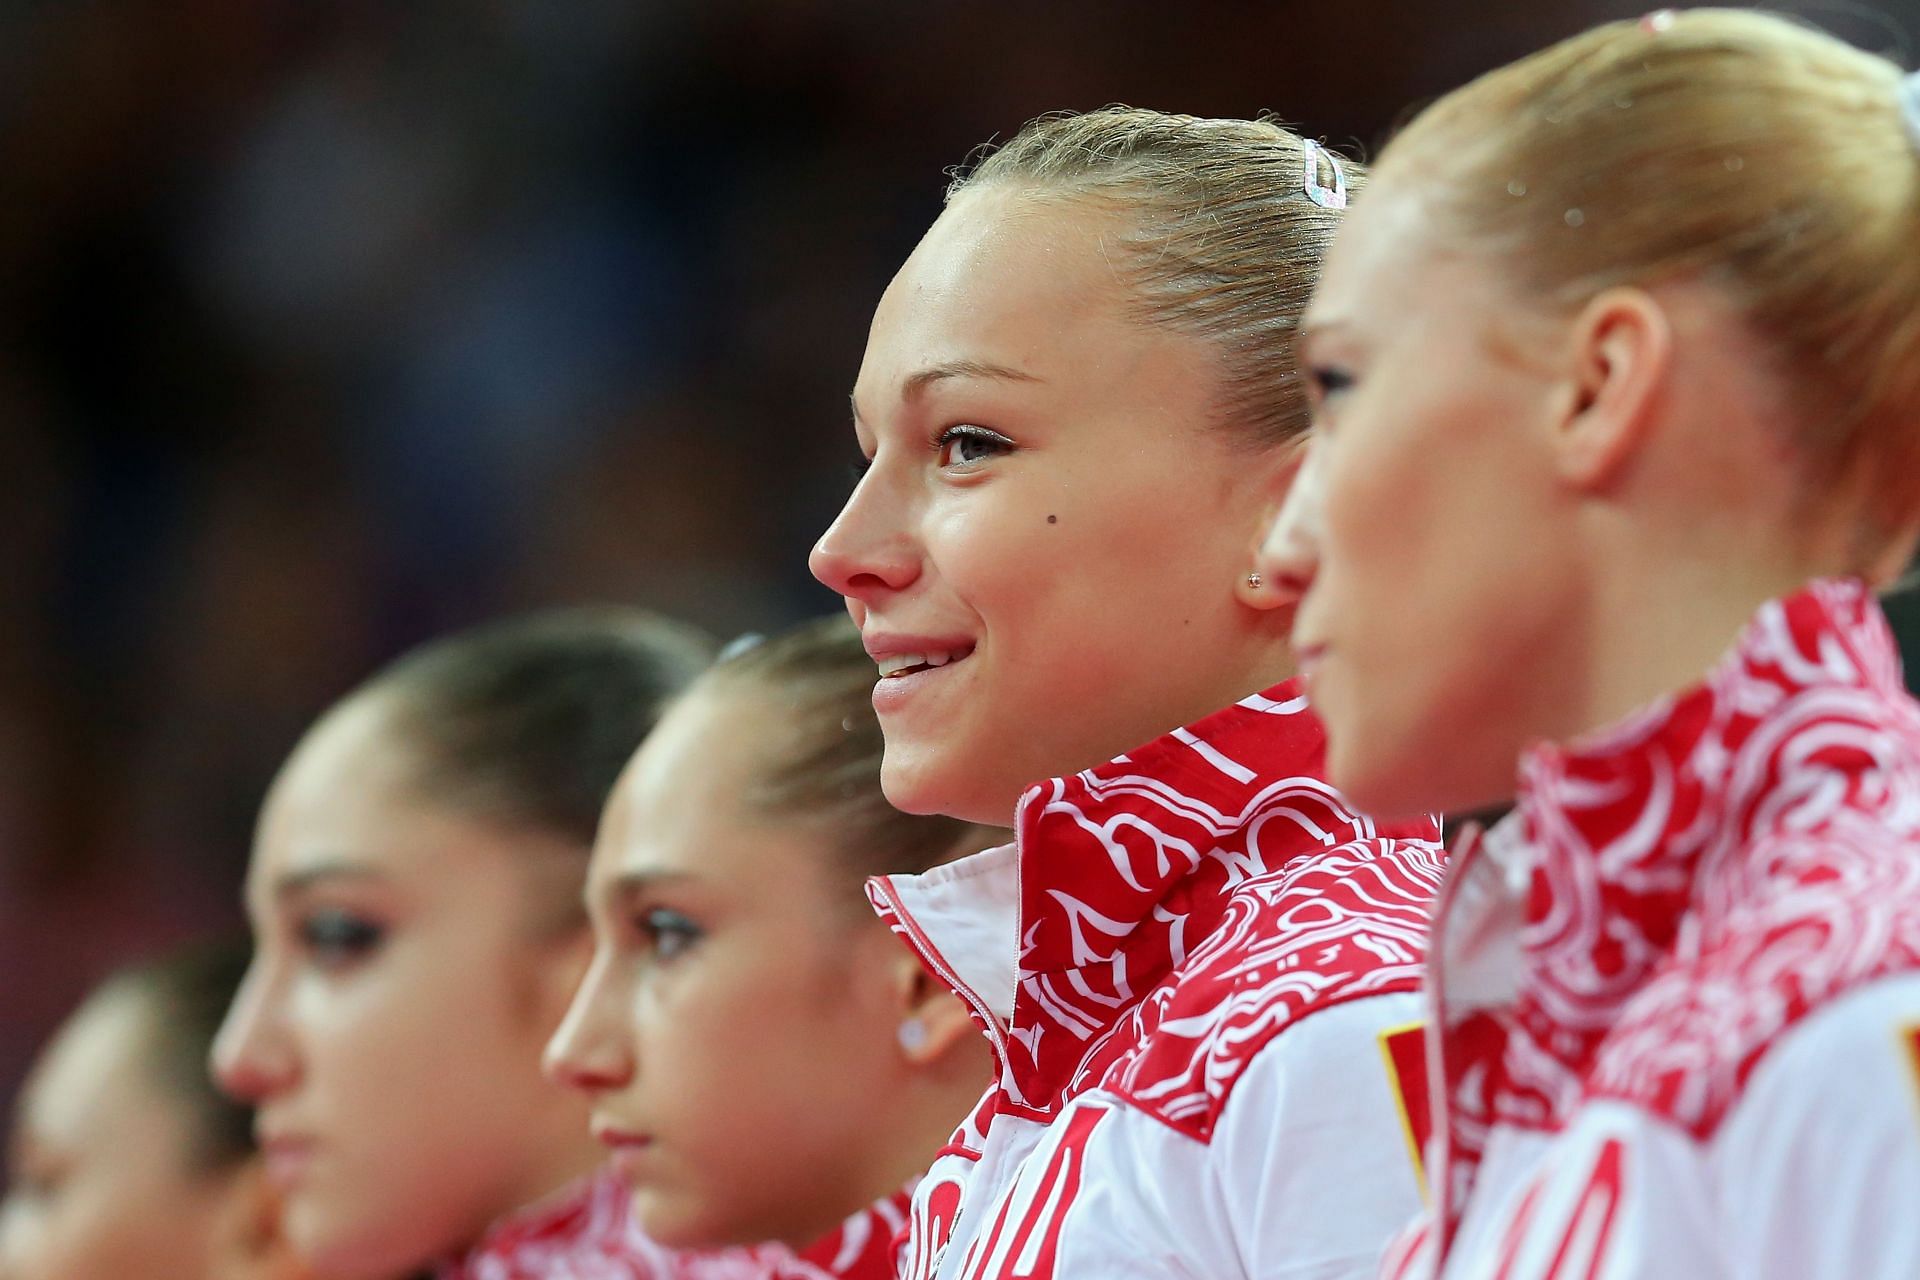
1255 581
913 1035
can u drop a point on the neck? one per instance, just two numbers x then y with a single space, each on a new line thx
920 1124
1660 626
567 1155
1269 661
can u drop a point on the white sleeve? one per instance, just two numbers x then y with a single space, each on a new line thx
1311 1155
1819 1162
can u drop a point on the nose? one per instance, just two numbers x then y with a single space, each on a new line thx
1289 555
253 1058
592 1049
868 551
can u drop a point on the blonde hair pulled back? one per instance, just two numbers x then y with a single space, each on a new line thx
1744 150
1221 238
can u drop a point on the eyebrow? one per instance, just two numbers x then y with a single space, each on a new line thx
298 882
916 383
920 380
629 883
1307 334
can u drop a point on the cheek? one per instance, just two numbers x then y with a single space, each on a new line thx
131 1222
1439 551
1152 552
417 1043
751 1049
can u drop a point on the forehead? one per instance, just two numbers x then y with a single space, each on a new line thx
682 806
1380 259
347 795
90 1076
1006 274
352 755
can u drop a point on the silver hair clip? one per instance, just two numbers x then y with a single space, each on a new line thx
740 644
1909 94
1333 197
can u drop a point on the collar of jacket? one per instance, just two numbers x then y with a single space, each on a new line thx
1623 834
589 1229
1116 875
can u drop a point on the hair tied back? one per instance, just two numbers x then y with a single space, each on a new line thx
1910 107
1327 197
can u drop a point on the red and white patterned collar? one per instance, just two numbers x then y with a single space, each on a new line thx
1621 822
588 1233
1118 873
1674 892
1630 855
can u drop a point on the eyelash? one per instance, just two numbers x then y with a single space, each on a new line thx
1328 380
336 939
660 924
977 435
32 1184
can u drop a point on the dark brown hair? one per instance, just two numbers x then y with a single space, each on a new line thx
529 721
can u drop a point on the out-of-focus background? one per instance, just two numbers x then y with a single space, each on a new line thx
327 325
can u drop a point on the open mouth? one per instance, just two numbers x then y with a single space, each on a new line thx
897 665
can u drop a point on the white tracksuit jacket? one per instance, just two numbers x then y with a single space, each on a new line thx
1197 968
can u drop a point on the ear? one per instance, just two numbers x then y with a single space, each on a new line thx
248 1242
1256 587
942 1018
1621 356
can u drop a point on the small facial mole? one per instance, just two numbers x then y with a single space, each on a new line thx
1053 519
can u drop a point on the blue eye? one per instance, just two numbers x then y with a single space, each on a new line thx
336 938
668 932
969 446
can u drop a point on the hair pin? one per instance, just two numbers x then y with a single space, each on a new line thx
1327 197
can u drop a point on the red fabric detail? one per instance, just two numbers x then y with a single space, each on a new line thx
1600 1196
589 1234
1042 1212
1706 874
1183 904
1406 1054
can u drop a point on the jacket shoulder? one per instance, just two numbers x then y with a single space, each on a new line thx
1328 928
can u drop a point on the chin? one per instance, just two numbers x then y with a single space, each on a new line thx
919 781
671 1222
1374 782
331 1253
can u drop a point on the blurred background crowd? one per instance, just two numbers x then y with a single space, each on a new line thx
327 325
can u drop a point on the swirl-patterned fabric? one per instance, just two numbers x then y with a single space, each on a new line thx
1708 918
1186 965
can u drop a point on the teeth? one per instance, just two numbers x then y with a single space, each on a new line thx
899 663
